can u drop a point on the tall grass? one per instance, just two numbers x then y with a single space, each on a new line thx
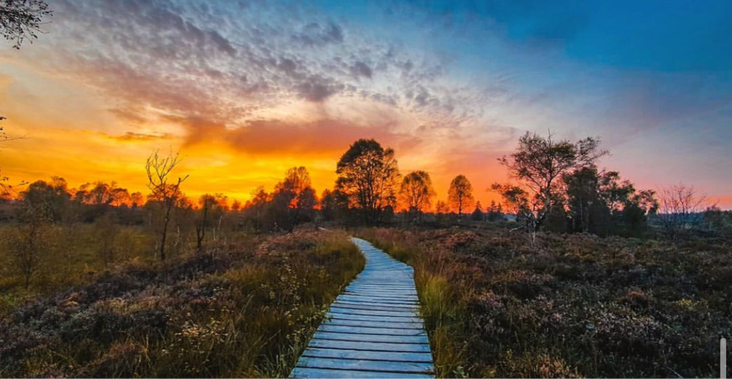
247 311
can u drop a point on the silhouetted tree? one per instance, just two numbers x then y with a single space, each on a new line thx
294 198
21 19
538 163
210 212
477 214
46 200
416 193
255 208
680 208
367 174
600 203
494 212
164 190
460 195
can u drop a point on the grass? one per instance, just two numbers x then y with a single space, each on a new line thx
568 306
248 309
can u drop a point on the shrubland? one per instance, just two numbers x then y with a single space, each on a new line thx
569 305
244 309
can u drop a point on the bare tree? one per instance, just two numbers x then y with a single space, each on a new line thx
163 190
460 195
681 208
21 19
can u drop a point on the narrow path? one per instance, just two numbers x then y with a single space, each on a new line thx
373 329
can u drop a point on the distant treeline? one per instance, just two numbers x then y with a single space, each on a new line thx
557 187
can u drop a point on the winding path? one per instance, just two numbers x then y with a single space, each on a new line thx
373 329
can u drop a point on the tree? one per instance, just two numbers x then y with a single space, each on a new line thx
537 164
164 189
255 208
442 207
21 19
680 208
460 195
294 198
495 211
211 207
367 175
477 214
416 193
600 203
46 200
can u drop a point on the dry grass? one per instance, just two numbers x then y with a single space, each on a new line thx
247 310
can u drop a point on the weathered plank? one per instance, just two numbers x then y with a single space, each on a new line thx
302 372
369 355
373 329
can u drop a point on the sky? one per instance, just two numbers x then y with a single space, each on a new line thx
247 89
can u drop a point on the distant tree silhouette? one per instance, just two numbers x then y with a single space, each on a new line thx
256 208
367 175
477 214
494 212
538 164
211 209
294 198
416 193
600 203
680 208
165 190
460 195
21 19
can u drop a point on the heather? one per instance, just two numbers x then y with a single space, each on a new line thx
568 305
242 309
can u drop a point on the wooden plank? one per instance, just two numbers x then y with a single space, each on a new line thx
373 303
383 319
366 365
368 355
361 312
303 372
374 307
373 329
371 337
369 346
375 324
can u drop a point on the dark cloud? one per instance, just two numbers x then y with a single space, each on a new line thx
277 136
317 89
361 69
137 137
315 34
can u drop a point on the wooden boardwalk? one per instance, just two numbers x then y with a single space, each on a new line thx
373 329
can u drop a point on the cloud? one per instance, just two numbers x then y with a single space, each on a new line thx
274 137
138 137
314 34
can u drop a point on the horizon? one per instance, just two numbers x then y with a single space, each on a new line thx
245 91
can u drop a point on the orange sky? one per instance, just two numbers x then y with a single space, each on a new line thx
67 130
246 94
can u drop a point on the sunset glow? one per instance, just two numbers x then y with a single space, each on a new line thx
245 92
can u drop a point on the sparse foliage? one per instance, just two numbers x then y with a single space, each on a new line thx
680 209
164 190
22 19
